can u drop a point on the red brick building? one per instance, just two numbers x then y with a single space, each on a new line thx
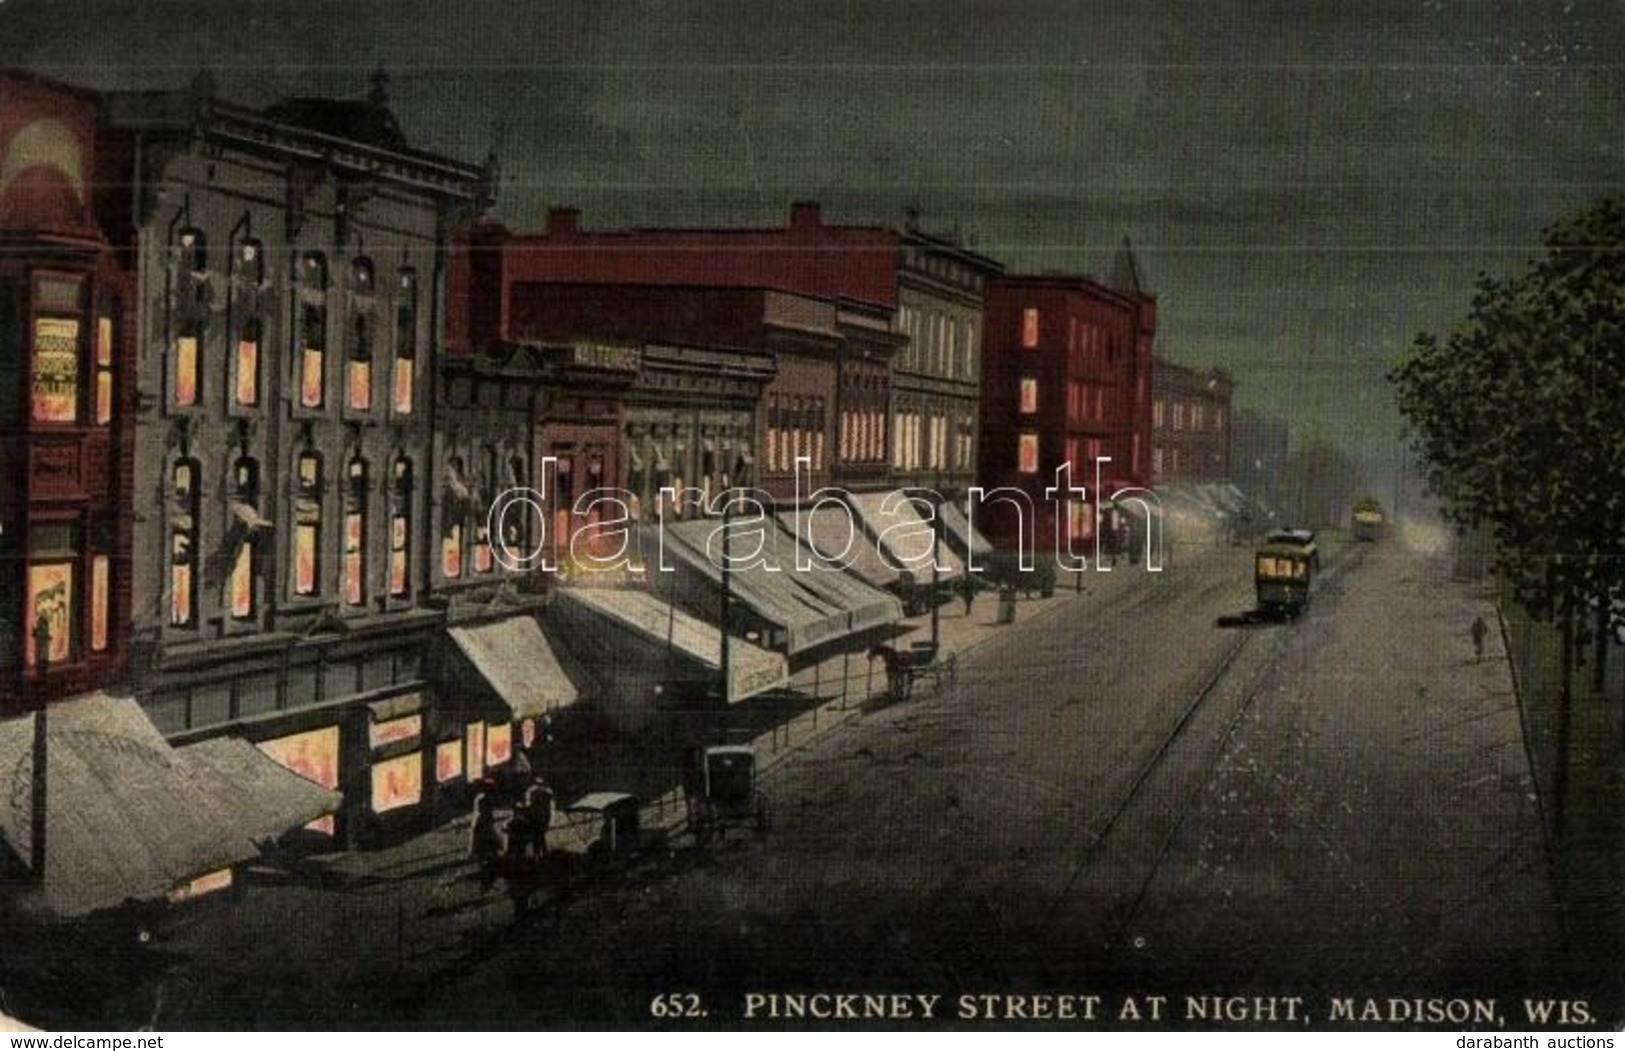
1066 380
67 324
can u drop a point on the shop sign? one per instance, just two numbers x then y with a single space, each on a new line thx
394 731
606 356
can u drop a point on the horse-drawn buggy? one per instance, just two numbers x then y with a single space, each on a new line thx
921 660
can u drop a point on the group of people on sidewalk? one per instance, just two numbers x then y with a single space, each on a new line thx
524 835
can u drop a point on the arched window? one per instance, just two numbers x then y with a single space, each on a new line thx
400 528
483 561
242 585
355 532
312 329
406 340
358 354
183 543
453 510
307 525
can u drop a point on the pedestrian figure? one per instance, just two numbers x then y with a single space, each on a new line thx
538 816
969 592
1479 629
484 842
693 777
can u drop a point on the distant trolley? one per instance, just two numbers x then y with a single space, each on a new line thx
1284 569
1368 520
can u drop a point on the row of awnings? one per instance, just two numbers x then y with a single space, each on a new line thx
129 816
805 609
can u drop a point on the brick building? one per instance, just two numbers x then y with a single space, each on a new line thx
67 322
1066 379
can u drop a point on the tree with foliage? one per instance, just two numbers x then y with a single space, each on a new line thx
1520 419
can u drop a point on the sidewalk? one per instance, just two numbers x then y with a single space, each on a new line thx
837 690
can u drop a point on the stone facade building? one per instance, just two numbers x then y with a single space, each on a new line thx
290 264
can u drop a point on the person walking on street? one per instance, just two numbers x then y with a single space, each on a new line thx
969 592
1479 630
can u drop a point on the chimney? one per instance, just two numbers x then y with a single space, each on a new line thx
804 215
563 221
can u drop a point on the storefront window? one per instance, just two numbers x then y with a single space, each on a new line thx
56 370
397 783
53 609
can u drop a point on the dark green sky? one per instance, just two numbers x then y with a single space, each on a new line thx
1307 182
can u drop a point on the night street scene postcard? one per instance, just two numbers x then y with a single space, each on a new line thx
813 515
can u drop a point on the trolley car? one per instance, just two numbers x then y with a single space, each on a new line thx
1368 520
1283 570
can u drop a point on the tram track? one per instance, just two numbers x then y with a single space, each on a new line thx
1327 588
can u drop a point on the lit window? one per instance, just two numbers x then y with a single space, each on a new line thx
1029 394
245 499
307 527
455 507
1027 453
355 535
186 368
52 599
1029 328
183 541
358 369
483 561
99 568
56 370
406 341
400 528
104 370
247 392
312 330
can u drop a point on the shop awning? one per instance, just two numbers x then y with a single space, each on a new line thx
263 798
829 530
753 670
806 613
866 606
911 545
125 817
516 661
965 536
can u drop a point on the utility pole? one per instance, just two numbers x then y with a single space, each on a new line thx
936 550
